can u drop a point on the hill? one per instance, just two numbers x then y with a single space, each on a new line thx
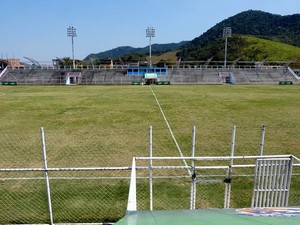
249 28
167 58
284 29
249 48
125 50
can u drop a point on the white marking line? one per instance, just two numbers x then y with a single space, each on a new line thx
170 130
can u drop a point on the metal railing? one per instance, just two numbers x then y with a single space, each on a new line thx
226 178
81 180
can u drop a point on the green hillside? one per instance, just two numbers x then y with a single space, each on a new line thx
256 35
270 50
127 50
249 48
256 23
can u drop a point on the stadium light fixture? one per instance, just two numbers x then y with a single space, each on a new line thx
150 32
226 34
71 32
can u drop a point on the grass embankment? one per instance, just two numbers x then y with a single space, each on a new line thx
262 49
168 57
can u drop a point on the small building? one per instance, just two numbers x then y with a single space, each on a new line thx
11 63
73 78
150 78
141 71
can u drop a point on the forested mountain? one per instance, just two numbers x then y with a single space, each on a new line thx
284 29
249 48
125 50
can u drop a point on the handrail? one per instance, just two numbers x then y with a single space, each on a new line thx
293 73
3 72
217 158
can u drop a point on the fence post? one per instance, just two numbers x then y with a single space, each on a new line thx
229 172
46 175
262 142
193 172
131 204
150 168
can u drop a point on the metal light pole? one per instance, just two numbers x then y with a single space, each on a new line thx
226 34
71 32
150 32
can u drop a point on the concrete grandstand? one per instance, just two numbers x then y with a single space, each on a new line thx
175 75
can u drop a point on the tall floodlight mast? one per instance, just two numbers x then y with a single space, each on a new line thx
226 34
150 33
71 32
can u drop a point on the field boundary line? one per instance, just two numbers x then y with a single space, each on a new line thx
170 129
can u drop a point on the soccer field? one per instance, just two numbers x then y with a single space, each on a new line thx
92 126
124 113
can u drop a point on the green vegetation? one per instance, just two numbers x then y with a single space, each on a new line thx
251 29
269 50
168 58
249 48
89 126
87 109
126 51
260 24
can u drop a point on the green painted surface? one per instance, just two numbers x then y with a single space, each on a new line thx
204 217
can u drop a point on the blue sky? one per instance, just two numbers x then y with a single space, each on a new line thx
38 28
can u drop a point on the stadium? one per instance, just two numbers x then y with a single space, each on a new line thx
194 142
181 73
133 148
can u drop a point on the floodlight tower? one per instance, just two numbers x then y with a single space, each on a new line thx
226 34
150 32
71 32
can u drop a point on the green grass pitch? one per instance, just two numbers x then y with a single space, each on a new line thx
124 113
90 126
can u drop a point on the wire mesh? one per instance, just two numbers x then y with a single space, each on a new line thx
101 195
23 198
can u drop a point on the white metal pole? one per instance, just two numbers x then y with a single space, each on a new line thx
73 52
262 142
46 175
71 32
226 33
217 158
225 51
289 174
193 172
226 190
150 32
150 169
232 144
229 172
131 204
150 55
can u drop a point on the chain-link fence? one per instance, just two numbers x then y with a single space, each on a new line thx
171 186
89 173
